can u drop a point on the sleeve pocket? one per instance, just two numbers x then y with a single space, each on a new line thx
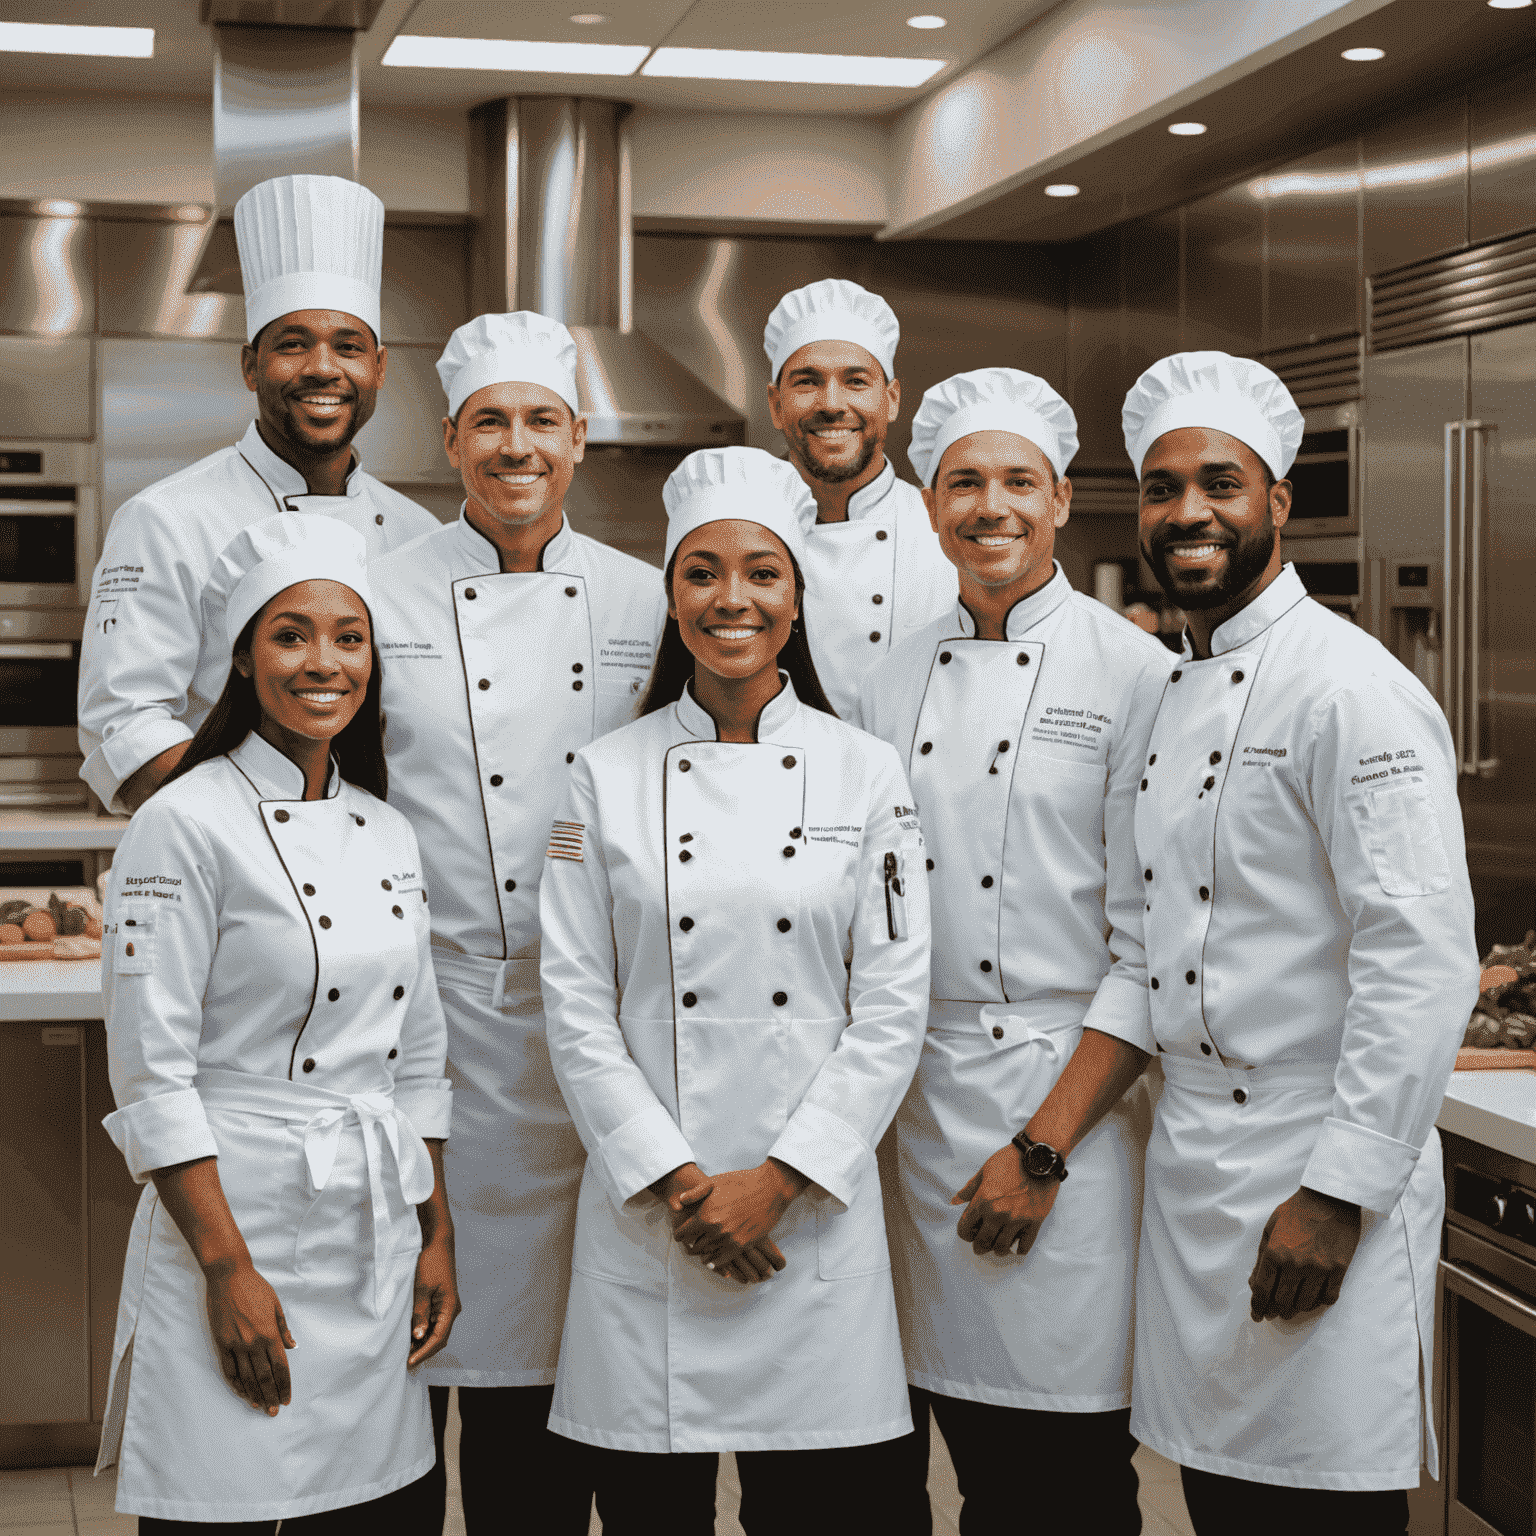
133 947
1402 830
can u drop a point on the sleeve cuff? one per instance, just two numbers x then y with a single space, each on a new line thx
1122 1008
124 752
1355 1163
640 1151
827 1150
428 1106
162 1131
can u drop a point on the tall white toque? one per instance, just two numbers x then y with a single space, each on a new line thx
832 310
310 242
270 556
523 347
1234 395
991 400
719 483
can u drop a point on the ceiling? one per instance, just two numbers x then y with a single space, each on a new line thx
183 61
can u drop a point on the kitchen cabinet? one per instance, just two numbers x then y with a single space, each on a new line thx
1415 174
1312 248
1501 193
1224 272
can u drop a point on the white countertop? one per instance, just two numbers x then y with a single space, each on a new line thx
49 990
39 830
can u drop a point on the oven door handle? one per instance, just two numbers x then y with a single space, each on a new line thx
1504 1305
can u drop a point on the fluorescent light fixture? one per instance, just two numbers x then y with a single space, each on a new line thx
588 18
101 42
1186 130
789 68
1363 55
1509 5
524 58
1062 189
933 23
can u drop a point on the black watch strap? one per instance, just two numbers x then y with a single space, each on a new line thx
1041 1160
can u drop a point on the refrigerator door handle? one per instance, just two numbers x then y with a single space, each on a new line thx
1453 656
1483 767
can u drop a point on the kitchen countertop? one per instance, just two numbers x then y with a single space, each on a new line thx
38 830
48 990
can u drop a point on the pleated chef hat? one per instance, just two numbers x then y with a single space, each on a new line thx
310 242
991 400
520 348
270 556
718 483
1234 395
832 310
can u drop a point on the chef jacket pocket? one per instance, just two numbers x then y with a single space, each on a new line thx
852 1242
133 946
1402 830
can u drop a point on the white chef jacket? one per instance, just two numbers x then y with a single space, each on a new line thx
1312 963
492 682
1024 758
735 967
270 1002
870 582
152 665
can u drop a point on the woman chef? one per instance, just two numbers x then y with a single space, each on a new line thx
735 972
276 1049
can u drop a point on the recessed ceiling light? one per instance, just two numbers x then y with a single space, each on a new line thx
1062 189
1186 130
1363 55
789 68
589 18
933 23
101 42
526 58
1509 5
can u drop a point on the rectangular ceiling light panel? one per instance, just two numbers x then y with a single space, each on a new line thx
525 58
100 42
789 68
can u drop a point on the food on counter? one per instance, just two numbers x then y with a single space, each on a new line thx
1500 1059
39 925
77 947
26 952
1504 1016
33 927
10 933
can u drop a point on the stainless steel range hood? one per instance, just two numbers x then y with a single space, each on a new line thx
549 189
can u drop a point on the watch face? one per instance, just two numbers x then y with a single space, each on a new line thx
1040 1160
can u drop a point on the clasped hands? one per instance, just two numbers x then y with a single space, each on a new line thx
724 1219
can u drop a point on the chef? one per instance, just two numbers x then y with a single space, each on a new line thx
873 570
735 970
1022 717
511 641
276 1050
311 250
1311 963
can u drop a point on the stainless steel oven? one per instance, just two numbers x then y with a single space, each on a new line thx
1325 479
50 534
1330 571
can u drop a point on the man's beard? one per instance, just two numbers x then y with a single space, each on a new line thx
298 432
1246 561
835 474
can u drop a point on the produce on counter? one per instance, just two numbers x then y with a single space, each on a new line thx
10 933
39 925
62 929
1505 1012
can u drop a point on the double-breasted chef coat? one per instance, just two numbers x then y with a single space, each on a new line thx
870 582
152 663
1024 757
270 1002
1311 958
735 967
492 683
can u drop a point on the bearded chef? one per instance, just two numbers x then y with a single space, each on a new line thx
1022 718
1311 963
311 253
511 642
735 969
874 571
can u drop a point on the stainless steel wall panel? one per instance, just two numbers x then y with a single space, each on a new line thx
1502 181
50 277
1312 248
425 295
1415 176
46 388
1224 272
146 268
404 440
1096 382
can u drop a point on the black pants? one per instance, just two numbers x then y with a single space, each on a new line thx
1079 1477
1220 1505
407 1509
504 1443
807 1493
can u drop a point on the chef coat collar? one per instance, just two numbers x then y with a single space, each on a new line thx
775 718
1274 602
281 477
555 556
868 498
277 777
1028 611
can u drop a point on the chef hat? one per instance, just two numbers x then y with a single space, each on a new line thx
718 483
270 556
520 348
310 242
832 310
1234 395
991 400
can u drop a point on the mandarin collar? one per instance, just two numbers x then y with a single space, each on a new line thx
777 714
1274 602
868 499
275 776
281 477
556 555
1028 611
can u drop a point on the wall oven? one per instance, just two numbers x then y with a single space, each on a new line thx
1325 479
49 531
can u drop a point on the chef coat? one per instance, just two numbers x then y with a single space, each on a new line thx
870 582
1309 942
492 682
152 664
735 967
270 1002
1024 758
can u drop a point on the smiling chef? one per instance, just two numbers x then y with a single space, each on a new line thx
1021 717
873 570
311 255
510 642
1311 961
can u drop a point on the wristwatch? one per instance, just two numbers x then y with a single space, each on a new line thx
1041 1160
